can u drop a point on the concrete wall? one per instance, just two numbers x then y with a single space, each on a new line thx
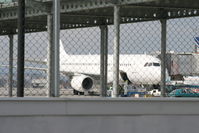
99 115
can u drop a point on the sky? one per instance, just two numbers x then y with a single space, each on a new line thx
143 37
135 38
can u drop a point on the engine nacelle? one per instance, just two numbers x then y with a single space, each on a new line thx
82 83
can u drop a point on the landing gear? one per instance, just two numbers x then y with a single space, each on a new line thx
81 93
75 92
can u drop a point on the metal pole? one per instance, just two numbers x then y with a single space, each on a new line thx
116 51
21 48
102 85
105 58
56 36
50 58
163 56
10 65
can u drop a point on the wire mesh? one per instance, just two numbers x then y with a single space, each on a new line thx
139 68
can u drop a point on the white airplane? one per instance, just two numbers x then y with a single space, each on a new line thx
83 69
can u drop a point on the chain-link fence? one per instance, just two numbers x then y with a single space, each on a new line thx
139 65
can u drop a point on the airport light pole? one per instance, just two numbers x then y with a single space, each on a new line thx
21 48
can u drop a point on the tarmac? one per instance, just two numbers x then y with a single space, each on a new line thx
40 92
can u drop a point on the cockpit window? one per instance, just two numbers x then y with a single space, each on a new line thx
151 64
156 64
146 64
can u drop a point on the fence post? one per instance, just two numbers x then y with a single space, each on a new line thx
105 57
163 56
50 57
21 48
116 50
56 40
103 60
10 65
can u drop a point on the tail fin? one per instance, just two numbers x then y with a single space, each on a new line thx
197 41
197 44
62 51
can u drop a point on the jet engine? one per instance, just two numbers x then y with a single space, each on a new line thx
82 83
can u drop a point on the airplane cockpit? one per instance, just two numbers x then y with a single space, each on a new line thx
148 64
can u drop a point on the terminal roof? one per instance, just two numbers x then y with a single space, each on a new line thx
89 13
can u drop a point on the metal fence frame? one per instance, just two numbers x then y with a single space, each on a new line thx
163 13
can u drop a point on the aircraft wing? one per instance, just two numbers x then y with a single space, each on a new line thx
30 68
36 61
70 74
94 76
